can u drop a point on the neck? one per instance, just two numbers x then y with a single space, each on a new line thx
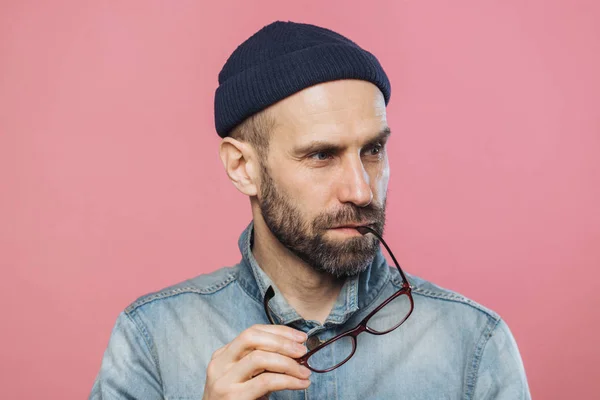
311 293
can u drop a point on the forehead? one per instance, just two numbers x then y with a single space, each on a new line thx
337 110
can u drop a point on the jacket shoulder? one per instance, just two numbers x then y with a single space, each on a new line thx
422 287
202 284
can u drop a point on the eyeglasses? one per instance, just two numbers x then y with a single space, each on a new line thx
388 316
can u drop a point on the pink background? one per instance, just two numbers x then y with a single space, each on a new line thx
111 185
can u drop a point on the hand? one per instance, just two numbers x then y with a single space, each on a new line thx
257 362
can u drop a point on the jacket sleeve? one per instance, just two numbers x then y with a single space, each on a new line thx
500 374
129 369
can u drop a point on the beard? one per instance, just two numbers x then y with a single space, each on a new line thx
306 239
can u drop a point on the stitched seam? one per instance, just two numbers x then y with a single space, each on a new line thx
395 277
173 292
146 336
352 304
335 384
471 378
455 298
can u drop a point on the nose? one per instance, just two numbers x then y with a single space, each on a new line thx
354 185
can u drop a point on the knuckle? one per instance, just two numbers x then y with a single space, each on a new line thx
258 358
286 345
265 380
247 336
293 368
210 370
275 382
216 353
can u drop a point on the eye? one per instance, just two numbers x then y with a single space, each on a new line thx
321 156
375 149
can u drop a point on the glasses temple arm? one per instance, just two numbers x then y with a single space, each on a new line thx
366 229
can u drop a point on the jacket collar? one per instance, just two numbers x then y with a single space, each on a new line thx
357 292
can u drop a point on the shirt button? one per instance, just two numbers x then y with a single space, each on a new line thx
313 342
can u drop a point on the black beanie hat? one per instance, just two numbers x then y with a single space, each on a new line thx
284 58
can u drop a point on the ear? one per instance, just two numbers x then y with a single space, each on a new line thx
239 160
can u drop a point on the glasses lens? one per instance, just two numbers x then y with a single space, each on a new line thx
332 355
391 315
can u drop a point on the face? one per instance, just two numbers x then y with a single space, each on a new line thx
327 170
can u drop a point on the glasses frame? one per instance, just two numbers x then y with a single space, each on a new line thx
353 333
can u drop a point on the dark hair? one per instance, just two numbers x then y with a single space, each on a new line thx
256 130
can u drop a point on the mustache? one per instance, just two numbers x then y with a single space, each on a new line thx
374 215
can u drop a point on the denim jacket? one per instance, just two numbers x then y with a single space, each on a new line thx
449 348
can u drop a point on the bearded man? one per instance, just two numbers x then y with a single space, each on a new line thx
313 310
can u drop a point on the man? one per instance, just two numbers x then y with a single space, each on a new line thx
302 113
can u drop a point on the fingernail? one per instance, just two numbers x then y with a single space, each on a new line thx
305 371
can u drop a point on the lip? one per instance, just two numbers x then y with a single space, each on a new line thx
351 226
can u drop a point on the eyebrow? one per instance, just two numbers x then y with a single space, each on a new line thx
323 145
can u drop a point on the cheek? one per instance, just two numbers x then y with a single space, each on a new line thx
310 195
380 181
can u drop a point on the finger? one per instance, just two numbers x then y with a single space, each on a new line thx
260 361
272 382
258 339
282 330
273 338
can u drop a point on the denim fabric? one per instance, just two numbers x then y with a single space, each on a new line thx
449 348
